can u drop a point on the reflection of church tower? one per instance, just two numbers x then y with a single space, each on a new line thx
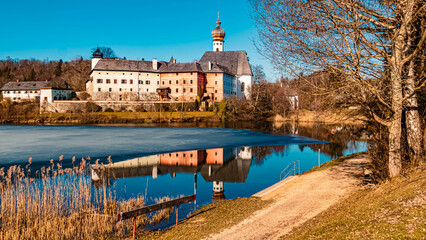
218 191
218 35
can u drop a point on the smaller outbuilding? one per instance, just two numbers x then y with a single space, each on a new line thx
23 91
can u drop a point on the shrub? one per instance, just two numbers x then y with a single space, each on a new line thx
108 110
92 107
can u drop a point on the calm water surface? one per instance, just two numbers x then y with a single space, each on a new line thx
216 163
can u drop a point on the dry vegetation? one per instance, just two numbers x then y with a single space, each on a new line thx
395 209
62 204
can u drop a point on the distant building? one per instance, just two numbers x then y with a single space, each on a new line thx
36 91
219 74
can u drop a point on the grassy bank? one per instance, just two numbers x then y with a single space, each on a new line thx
333 116
392 210
210 219
112 117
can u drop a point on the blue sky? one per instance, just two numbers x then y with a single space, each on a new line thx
65 29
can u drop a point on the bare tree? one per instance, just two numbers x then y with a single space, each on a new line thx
366 41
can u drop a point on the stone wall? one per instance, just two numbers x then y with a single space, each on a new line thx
80 106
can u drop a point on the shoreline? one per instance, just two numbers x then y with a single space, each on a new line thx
239 214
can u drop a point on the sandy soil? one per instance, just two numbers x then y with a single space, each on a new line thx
299 201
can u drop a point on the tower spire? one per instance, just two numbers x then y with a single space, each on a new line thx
218 15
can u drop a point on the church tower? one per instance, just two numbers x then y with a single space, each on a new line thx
97 55
218 35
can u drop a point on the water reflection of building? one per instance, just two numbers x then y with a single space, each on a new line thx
217 165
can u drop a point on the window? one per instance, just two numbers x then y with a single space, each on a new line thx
177 90
158 82
177 155
242 87
170 154
119 89
163 82
108 81
177 81
131 90
215 82
190 89
131 81
123 73
99 89
147 82
184 155
215 74
99 73
115 81
184 90
170 81
140 81
110 89
215 98
191 81
191 73
215 91
177 74
99 81
107 73
123 81
184 81
130 73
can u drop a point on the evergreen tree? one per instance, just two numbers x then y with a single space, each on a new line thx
58 70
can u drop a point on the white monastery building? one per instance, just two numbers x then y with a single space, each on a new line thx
218 74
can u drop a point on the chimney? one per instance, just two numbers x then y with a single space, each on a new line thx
210 65
154 64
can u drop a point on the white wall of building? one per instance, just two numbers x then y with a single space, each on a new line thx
248 81
217 46
50 95
115 83
21 95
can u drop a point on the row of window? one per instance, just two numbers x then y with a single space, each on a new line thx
147 82
7 92
132 74
147 90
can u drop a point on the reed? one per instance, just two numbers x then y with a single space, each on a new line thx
61 204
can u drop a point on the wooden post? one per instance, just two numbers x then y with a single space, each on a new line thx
134 227
177 214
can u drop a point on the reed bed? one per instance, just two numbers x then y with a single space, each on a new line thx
56 203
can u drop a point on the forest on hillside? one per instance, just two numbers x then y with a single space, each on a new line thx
75 72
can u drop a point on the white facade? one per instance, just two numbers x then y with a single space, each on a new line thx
217 46
123 85
244 83
20 95
50 95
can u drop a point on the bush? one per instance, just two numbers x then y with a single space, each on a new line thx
108 110
92 107
84 96
140 108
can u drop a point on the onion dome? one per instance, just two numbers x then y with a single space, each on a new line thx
98 54
218 33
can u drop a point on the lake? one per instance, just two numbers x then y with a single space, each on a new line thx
232 161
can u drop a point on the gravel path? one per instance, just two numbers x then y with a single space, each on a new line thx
299 200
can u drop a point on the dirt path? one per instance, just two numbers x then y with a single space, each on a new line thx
299 200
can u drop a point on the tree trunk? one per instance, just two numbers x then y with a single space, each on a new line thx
395 164
413 125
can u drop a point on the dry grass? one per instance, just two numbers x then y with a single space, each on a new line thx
395 209
61 204
210 219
